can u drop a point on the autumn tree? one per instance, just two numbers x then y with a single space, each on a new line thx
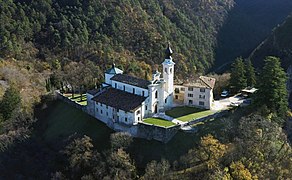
206 157
262 147
156 170
81 157
120 140
239 171
120 165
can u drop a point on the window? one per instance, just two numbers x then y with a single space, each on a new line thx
133 90
176 96
190 102
182 89
100 105
201 103
100 111
165 100
124 87
116 85
126 119
106 113
145 108
165 70
143 93
138 112
176 90
96 109
156 94
106 106
138 118
202 96
190 95
190 88
170 70
202 90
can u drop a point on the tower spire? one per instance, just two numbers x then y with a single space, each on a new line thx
168 52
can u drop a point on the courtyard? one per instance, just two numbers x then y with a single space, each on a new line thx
159 122
77 98
186 113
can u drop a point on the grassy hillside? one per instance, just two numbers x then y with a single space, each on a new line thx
128 32
247 25
279 44
60 120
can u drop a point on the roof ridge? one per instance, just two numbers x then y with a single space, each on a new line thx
204 82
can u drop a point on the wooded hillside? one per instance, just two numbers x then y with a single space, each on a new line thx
102 31
279 44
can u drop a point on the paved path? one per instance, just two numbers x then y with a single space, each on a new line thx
166 117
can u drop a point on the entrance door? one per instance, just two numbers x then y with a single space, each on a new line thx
155 109
190 102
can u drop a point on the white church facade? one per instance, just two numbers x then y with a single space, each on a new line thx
128 100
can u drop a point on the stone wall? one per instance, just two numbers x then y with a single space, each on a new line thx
149 131
142 130
71 103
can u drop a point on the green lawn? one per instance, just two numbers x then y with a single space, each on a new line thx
188 113
159 122
76 98
62 120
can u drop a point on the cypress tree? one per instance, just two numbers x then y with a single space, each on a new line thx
238 77
272 87
250 74
9 103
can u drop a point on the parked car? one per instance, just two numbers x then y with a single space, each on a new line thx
235 104
224 93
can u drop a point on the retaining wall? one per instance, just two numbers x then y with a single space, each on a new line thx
71 103
141 130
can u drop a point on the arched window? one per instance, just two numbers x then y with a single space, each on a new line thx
170 70
156 94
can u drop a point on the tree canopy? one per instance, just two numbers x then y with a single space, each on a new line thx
238 75
272 87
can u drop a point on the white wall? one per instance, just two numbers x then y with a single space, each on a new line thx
90 104
107 113
206 97
108 77
168 74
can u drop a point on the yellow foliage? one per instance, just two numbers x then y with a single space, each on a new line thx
238 171
29 81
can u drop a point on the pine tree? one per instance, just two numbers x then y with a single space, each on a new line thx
272 87
250 74
238 78
9 103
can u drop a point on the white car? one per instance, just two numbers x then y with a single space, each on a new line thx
224 93
235 104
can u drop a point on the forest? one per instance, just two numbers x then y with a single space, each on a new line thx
48 44
106 31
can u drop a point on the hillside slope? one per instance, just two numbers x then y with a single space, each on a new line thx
122 30
247 25
279 44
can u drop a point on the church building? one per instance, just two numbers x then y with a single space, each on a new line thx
128 100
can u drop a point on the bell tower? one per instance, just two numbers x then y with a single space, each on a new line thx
168 70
